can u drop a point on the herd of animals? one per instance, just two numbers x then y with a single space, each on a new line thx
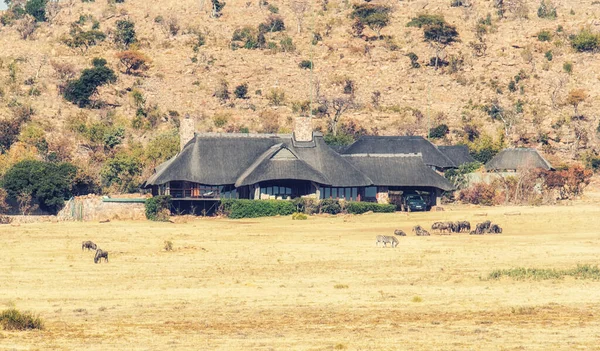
100 254
486 227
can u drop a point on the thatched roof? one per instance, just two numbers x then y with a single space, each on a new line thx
398 170
458 154
377 145
517 159
222 159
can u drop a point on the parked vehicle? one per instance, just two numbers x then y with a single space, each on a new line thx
413 202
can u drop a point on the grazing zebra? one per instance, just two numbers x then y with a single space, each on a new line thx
88 245
101 254
385 239
399 232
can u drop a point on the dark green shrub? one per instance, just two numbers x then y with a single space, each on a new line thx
287 44
340 139
306 64
374 16
256 208
80 91
546 10
330 206
48 183
414 60
586 41
217 7
362 207
37 8
155 207
13 319
568 67
544 35
241 91
273 24
122 172
249 37
549 56
425 20
125 33
439 132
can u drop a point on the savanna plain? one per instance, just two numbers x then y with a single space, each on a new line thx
317 284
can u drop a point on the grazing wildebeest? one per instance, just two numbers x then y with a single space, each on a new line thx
464 226
386 239
101 254
443 227
399 232
419 231
88 245
495 229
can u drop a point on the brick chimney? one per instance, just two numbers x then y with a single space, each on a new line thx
187 128
303 130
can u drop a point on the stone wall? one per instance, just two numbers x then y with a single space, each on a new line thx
187 128
303 130
92 208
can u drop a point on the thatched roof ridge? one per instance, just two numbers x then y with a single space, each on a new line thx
517 159
266 167
373 145
406 170
458 154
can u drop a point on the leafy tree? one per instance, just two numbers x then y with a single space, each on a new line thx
134 61
122 172
48 183
440 36
162 148
125 33
37 9
83 39
374 16
426 20
79 91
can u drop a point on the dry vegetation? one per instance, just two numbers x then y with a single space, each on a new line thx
319 284
516 78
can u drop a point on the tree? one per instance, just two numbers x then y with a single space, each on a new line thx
134 61
217 7
79 91
47 183
122 173
374 16
576 97
125 33
83 39
339 105
299 7
440 35
37 9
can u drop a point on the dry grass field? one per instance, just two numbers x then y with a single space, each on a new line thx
319 284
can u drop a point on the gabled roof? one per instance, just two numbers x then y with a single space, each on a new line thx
458 154
279 163
222 159
375 145
517 159
398 170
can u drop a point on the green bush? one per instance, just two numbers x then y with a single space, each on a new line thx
439 132
236 209
586 41
48 183
122 172
273 24
250 38
37 8
241 91
306 64
155 207
125 33
549 56
423 20
546 10
362 207
568 67
544 35
374 16
79 91
330 206
287 44
414 60
13 319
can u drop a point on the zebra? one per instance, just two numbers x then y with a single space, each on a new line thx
88 245
399 232
101 254
385 239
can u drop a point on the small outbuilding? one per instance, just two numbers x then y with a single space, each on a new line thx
517 159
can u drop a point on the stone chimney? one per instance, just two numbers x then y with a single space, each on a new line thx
303 130
187 128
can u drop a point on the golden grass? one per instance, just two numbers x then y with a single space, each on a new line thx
272 283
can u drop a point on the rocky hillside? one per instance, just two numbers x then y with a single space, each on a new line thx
514 72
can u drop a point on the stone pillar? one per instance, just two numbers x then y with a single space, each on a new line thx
303 130
438 197
383 195
187 129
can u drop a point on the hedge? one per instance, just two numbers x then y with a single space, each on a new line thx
256 208
362 207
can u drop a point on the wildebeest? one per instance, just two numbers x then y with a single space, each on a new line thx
443 227
419 231
101 254
463 226
486 228
386 239
399 232
88 245
495 229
